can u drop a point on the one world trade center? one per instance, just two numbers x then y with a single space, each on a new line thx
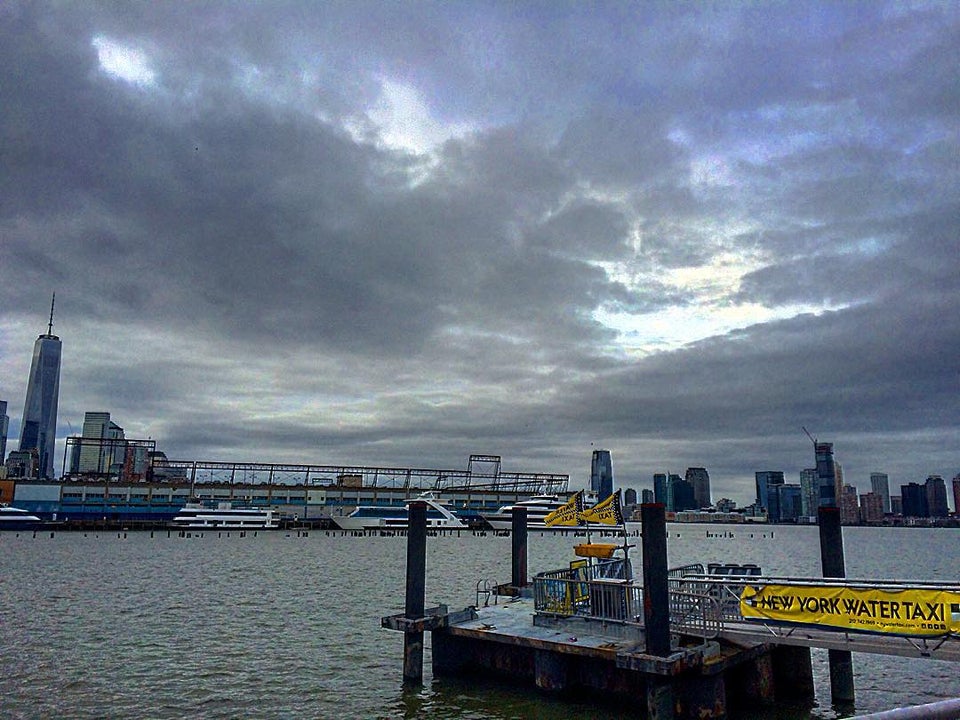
38 431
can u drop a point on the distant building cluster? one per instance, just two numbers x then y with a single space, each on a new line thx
687 499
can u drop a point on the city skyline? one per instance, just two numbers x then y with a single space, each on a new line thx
400 234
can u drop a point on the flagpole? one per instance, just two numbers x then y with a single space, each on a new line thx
627 569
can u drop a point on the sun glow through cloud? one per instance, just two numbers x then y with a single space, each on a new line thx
123 61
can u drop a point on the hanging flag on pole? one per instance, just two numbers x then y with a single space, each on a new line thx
569 514
607 512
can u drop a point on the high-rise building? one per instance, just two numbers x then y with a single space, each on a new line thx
101 445
809 492
647 496
672 480
661 490
4 427
699 478
683 498
956 494
896 504
849 506
936 491
629 496
871 508
880 486
914 498
768 497
38 430
790 502
601 474
826 474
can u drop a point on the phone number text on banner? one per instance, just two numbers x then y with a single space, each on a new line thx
900 612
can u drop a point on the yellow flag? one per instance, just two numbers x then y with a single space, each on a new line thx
605 513
569 514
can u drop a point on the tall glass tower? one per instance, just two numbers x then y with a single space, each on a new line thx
826 474
601 474
699 478
38 430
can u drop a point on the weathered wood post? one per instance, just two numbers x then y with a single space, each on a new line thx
831 559
416 587
518 536
656 604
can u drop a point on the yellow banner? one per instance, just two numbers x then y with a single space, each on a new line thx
606 513
899 612
569 514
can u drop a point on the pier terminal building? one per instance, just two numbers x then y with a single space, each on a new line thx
152 494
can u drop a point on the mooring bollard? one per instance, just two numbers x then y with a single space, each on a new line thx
519 547
831 559
416 587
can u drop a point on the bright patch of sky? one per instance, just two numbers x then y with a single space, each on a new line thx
406 122
678 326
124 61
710 313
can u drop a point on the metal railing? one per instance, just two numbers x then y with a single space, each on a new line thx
599 591
707 605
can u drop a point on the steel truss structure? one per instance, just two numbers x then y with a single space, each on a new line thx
483 473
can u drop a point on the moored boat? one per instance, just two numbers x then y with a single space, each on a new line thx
13 518
394 517
197 516
537 507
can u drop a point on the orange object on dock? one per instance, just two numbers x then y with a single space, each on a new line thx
597 550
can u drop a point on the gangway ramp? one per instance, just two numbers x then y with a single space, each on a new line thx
774 619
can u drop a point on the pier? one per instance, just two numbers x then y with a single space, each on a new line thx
687 642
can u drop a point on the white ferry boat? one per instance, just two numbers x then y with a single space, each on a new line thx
538 507
12 518
197 516
387 517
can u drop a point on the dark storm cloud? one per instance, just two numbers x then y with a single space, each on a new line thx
246 269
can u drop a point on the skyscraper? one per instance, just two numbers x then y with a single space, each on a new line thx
768 483
914 499
936 491
880 486
38 430
791 502
601 474
699 478
4 426
683 497
809 492
661 491
100 446
849 506
956 494
826 474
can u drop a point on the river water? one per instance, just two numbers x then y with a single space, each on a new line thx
276 625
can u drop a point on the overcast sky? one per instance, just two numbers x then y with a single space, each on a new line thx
400 233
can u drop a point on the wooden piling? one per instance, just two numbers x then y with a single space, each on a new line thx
519 547
831 558
416 587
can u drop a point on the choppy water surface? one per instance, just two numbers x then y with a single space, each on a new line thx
280 626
